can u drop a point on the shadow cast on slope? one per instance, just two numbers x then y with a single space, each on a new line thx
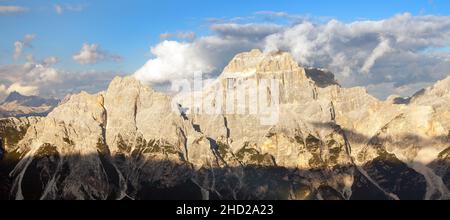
389 163
168 180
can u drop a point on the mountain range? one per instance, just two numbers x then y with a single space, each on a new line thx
18 105
328 142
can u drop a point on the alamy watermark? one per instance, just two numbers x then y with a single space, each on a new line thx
228 96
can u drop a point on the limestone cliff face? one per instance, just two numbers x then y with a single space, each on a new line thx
329 142
18 105
12 130
295 86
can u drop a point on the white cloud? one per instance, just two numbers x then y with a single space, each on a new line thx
12 9
50 61
174 60
29 73
183 35
180 60
24 90
284 16
362 53
21 44
29 78
396 51
91 54
42 79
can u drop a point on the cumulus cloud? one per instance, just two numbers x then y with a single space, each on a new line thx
42 79
181 60
21 44
279 15
24 90
91 54
394 55
26 78
367 52
28 73
12 9
174 60
50 61
29 78
273 13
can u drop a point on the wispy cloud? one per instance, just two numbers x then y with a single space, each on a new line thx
41 78
92 53
60 9
273 13
390 55
6 9
21 44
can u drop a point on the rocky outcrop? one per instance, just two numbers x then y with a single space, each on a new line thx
328 142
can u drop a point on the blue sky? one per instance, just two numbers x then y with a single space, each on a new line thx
130 28
388 46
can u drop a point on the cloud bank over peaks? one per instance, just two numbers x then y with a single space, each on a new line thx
41 78
371 52
175 60
393 55
28 78
59 8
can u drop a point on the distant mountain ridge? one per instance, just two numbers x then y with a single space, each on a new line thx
18 105
32 101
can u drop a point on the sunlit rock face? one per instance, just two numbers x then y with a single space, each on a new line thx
326 142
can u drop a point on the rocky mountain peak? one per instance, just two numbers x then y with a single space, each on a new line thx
14 96
256 61
329 143
32 101
277 65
